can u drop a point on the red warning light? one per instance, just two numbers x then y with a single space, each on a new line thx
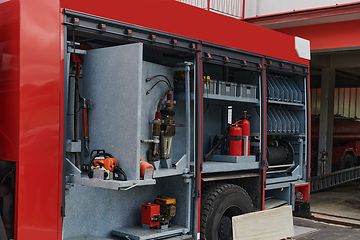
153 38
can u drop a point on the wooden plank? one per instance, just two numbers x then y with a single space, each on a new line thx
272 224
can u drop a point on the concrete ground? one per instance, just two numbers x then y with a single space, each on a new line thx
336 214
314 230
343 200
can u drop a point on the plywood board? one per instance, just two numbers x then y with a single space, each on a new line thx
273 224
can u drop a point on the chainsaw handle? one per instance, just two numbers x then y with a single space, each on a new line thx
119 171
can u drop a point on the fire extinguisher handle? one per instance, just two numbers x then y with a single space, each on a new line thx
238 122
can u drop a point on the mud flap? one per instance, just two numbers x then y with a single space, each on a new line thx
302 209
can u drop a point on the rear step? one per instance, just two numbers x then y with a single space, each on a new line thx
274 203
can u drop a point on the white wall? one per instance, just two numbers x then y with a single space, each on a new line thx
231 8
255 8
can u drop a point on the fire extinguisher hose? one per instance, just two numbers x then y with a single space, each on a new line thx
226 134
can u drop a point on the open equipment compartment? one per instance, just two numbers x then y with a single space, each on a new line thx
287 130
121 83
231 83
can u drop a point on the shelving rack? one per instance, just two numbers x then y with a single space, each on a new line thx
287 120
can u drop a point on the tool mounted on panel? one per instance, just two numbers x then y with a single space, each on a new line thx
164 128
78 60
85 104
101 164
158 214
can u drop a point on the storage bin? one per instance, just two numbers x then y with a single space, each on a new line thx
246 91
227 88
211 87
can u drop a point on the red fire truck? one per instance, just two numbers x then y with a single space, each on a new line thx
146 120
346 144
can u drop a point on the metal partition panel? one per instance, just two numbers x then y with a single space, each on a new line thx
120 115
112 80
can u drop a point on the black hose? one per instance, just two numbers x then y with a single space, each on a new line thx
226 134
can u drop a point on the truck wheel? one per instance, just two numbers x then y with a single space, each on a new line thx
347 161
219 203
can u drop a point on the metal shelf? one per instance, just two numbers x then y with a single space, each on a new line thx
181 96
287 103
225 163
108 184
284 134
88 237
230 98
76 177
138 233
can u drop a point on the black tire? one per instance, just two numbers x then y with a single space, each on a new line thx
219 203
348 161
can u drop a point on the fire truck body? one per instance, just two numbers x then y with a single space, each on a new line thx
114 105
346 144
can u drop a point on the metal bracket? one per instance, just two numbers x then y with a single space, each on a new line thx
77 51
85 103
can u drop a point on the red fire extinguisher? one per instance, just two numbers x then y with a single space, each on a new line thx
235 140
245 125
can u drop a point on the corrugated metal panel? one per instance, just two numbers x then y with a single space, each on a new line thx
196 3
346 102
228 7
336 101
315 101
357 107
352 106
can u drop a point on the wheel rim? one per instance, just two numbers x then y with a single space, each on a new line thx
225 224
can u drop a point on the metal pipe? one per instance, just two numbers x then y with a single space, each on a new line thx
76 106
246 144
302 159
187 179
188 138
187 96
197 143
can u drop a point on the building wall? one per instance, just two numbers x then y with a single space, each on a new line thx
268 7
258 8
233 8
346 102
